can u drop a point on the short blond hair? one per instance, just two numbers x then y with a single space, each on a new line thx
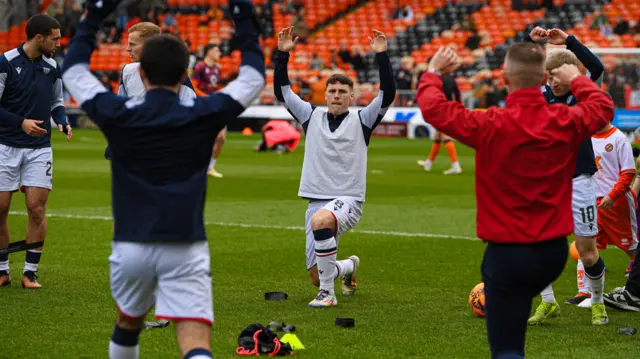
146 29
559 58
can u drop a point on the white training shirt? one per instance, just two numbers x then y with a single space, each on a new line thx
335 163
131 84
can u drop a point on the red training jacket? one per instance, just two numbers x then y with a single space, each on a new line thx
526 155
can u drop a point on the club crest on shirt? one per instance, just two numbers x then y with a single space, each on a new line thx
608 147
46 70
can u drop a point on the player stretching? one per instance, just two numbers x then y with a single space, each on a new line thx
526 155
453 94
583 201
30 95
131 84
334 171
206 75
161 146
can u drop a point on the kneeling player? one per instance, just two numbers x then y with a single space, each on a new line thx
334 171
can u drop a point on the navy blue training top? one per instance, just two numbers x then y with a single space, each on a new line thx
161 144
29 89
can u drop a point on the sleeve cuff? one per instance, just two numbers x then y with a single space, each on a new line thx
432 78
59 116
527 38
577 82
281 55
614 195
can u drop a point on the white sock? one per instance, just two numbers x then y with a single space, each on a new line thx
117 351
326 252
344 267
199 353
595 280
456 165
596 286
212 163
583 285
34 255
4 265
547 295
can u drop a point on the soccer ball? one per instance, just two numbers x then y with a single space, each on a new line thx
573 251
476 300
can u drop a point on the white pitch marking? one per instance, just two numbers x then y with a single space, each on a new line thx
267 226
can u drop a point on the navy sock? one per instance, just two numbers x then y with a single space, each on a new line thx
510 356
322 234
125 337
4 262
596 270
198 353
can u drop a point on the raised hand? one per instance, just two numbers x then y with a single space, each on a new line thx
378 42
102 8
445 61
557 37
286 42
539 34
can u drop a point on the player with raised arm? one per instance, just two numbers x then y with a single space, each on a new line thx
206 75
161 146
526 154
131 84
585 214
30 95
334 171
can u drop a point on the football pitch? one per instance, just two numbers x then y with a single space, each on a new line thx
416 241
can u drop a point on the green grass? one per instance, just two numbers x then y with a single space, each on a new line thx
412 298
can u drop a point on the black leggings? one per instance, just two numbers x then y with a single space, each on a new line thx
633 284
513 275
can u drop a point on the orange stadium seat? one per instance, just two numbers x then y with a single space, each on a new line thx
332 23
